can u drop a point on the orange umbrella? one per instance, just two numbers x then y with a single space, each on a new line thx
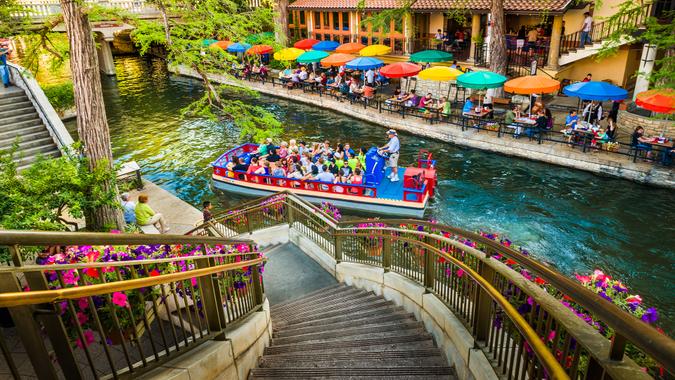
222 44
350 48
659 100
338 59
259 49
532 84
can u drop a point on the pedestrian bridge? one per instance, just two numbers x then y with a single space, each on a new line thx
278 289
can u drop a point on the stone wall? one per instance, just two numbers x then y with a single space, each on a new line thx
629 121
437 89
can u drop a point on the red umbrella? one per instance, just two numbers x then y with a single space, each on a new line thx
306 44
400 70
659 100
259 49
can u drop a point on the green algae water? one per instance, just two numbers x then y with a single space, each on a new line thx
574 220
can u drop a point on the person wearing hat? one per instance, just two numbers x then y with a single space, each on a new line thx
391 149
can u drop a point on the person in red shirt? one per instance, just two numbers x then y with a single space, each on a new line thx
589 77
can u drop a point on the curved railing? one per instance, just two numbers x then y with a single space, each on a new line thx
439 258
112 305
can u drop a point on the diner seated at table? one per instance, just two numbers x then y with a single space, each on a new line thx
540 124
510 120
571 119
425 102
412 100
468 106
641 143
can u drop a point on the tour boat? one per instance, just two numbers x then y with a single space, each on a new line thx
408 197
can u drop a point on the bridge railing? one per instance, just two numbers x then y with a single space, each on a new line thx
111 305
469 273
45 8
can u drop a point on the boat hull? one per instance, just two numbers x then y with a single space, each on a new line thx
366 205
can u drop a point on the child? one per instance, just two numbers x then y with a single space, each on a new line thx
206 211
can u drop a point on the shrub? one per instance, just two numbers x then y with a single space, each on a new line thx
60 95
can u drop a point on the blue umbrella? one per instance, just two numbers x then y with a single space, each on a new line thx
326 45
595 90
364 63
239 47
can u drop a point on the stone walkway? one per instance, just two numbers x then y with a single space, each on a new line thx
602 163
181 216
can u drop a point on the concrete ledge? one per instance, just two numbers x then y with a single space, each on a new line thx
312 250
229 359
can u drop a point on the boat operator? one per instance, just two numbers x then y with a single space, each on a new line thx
390 150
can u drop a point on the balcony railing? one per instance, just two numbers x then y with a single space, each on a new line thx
39 9
467 272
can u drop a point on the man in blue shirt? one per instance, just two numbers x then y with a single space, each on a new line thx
392 148
129 209
4 71
571 119
468 106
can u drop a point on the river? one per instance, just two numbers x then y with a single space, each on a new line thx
572 219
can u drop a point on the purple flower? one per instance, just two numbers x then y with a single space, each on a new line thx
620 289
420 228
650 315
605 296
524 308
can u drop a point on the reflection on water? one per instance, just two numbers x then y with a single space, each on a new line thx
572 219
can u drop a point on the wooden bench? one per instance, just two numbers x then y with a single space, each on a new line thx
130 171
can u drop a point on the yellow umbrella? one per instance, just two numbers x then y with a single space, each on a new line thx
439 73
373 50
288 54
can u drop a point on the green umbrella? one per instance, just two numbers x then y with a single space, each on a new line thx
481 80
430 56
208 42
312 56
259 38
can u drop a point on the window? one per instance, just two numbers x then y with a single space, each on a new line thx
398 25
326 37
345 39
364 40
345 21
326 20
291 17
317 20
336 21
302 17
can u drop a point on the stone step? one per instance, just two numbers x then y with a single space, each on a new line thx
25 161
17 118
21 124
315 302
335 337
344 300
364 321
18 104
16 111
25 131
356 316
366 372
354 359
358 331
395 343
308 297
28 143
359 305
13 97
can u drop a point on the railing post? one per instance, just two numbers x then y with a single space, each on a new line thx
211 299
482 304
338 249
28 331
290 218
257 285
618 347
386 253
429 274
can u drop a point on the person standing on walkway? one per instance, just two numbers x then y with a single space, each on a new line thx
392 150
4 70
586 28
146 216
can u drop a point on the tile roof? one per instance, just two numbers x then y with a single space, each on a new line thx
510 6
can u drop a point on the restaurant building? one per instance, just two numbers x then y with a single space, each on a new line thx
465 26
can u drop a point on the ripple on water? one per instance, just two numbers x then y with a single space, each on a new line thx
575 220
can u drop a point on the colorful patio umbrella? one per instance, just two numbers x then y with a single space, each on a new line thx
439 73
595 90
659 100
326 45
531 84
259 37
350 48
400 70
221 44
306 44
208 42
430 56
481 80
259 50
364 63
373 50
238 47
312 56
337 59
288 54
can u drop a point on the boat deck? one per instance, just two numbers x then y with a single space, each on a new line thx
391 190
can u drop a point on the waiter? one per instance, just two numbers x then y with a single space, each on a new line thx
391 149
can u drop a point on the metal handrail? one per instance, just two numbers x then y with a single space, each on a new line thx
37 297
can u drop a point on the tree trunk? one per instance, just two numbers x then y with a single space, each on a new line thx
92 124
165 22
282 22
498 56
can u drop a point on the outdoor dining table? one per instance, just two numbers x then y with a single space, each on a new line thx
475 116
665 144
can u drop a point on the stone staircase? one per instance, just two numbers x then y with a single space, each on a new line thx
20 122
341 332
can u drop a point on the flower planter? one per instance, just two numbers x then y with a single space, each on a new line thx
117 336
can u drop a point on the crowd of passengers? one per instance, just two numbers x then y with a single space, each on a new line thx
302 161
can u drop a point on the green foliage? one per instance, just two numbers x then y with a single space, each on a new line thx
660 34
383 19
37 197
213 19
10 24
60 95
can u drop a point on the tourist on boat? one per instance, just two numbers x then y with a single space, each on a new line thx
206 211
312 174
273 155
292 146
357 178
283 149
325 175
278 170
146 216
253 166
129 208
468 106
391 150
240 165
264 169
345 169
294 172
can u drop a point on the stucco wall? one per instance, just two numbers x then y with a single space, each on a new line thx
618 68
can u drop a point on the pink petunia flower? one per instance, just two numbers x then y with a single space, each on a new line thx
634 299
583 279
88 339
70 277
82 317
83 303
460 272
120 299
